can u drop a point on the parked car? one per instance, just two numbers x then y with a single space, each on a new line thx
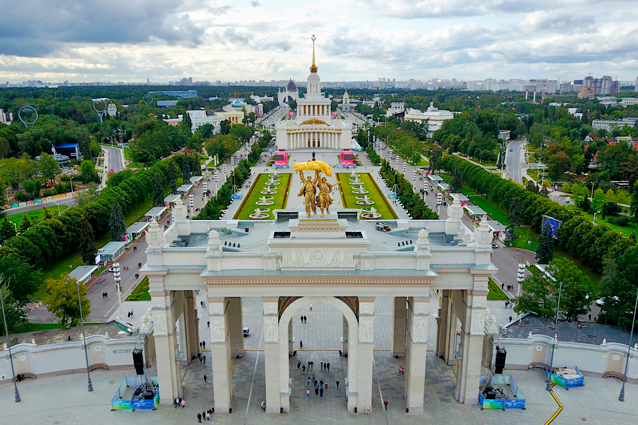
246 331
601 301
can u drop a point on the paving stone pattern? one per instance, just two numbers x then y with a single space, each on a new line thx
65 400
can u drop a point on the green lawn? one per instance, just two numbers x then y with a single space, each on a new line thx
37 214
497 213
350 201
279 200
423 163
496 293
526 234
140 293
625 230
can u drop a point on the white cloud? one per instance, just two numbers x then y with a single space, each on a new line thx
356 40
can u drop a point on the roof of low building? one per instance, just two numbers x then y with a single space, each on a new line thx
82 272
137 227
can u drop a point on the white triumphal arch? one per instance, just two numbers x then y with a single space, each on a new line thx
339 260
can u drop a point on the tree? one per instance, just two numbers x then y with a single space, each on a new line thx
619 285
172 176
186 170
88 173
207 130
13 313
48 167
611 208
7 230
87 240
224 127
435 160
633 208
118 226
158 191
62 299
456 185
85 197
186 124
545 251
514 218
25 224
540 291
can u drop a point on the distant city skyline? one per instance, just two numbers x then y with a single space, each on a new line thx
162 40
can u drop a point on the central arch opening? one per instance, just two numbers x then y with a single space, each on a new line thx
317 327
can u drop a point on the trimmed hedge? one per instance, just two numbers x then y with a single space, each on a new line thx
47 242
577 235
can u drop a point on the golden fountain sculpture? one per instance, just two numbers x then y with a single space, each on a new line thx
323 200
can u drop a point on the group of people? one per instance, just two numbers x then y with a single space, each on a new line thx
311 366
130 314
105 295
208 415
202 359
303 319
319 386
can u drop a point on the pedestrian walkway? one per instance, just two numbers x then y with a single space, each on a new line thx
65 400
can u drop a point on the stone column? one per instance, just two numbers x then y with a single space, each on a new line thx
399 327
165 343
366 340
418 314
291 341
344 338
191 321
220 353
271 353
452 320
441 325
469 367
236 323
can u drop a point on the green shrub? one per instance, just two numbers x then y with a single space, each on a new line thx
48 192
619 221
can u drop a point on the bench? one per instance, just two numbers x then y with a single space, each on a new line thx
538 365
97 366
616 375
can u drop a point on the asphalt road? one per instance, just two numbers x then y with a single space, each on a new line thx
114 159
515 161
51 205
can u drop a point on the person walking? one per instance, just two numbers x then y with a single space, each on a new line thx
176 403
204 345
204 358
321 391
205 379
301 319
337 382
305 319
199 418
300 344
328 367
385 404
298 364
316 391
310 306
320 365
183 403
308 392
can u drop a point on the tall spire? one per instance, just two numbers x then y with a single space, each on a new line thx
313 67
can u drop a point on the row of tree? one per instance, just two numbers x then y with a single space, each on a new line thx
24 256
412 202
577 235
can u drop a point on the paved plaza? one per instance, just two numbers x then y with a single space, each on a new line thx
65 400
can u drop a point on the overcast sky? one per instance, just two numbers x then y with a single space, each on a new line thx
132 40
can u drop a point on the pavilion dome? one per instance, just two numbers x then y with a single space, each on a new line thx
291 86
237 103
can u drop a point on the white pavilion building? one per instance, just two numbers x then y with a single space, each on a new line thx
314 126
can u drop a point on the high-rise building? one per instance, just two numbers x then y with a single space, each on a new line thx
636 87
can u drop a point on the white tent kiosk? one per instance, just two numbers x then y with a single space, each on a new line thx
82 273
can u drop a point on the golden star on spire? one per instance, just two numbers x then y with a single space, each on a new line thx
313 67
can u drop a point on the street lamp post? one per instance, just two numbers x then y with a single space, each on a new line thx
86 354
118 279
6 330
592 190
551 362
621 397
71 179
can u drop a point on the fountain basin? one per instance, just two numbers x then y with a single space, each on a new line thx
365 202
370 215
268 192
